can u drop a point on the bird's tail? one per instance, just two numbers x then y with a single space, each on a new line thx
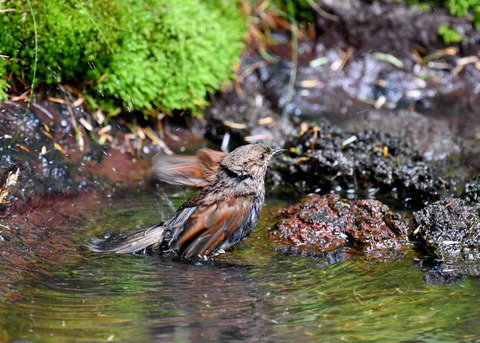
152 238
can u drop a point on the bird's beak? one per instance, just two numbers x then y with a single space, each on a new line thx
278 151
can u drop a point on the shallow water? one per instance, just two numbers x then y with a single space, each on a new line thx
251 294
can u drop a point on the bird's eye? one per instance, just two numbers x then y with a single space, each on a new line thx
261 157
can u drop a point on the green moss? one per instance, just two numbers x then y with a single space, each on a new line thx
67 41
174 55
459 8
449 35
4 86
140 55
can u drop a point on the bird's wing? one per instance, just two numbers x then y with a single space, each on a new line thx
210 225
185 170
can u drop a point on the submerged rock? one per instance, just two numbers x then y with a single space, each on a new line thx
325 224
434 274
450 231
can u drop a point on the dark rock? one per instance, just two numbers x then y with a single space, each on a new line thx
433 138
319 225
471 193
324 156
450 230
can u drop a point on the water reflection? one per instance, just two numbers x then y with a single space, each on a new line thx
146 298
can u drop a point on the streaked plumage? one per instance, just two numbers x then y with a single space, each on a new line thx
224 210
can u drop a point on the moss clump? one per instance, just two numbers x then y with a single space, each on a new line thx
137 54
4 86
459 8
449 35
68 42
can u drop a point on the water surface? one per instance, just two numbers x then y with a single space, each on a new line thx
251 294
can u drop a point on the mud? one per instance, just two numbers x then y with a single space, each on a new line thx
54 155
329 225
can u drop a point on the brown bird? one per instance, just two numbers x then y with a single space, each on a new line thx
224 210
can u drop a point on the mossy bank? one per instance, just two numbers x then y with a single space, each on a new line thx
139 55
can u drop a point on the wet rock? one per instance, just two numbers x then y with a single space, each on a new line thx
319 225
471 193
450 231
433 138
325 155
392 28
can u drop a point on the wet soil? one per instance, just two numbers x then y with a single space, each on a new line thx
49 158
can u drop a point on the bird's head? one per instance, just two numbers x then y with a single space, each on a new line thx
250 160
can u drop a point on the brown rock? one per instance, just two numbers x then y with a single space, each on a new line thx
324 224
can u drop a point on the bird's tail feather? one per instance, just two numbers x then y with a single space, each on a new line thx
152 237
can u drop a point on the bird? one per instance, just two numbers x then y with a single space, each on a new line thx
229 197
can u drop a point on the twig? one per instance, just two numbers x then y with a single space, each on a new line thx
321 12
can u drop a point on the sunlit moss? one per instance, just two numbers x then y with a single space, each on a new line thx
139 55
449 35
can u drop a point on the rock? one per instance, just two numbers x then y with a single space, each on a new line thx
325 224
324 156
435 275
450 230
433 138
471 192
